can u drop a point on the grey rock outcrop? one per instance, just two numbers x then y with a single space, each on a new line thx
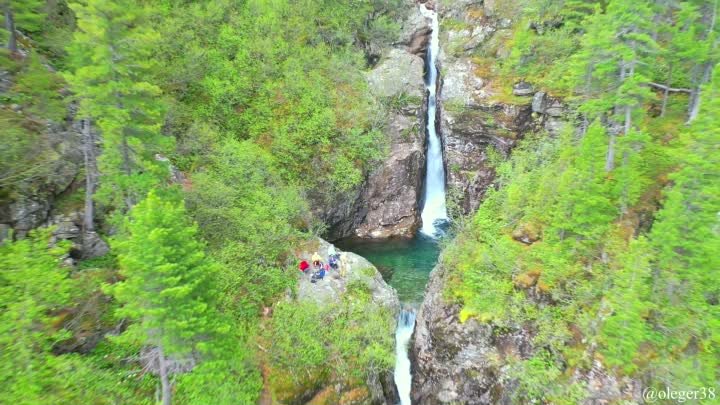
38 201
33 200
334 285
523 89
459 363
468 362
329 290
393 190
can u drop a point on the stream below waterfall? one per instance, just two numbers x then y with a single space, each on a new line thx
405 264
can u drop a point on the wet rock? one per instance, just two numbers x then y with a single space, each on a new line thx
386 204
415 32
418 42
340 212
523 89
392 192
394 189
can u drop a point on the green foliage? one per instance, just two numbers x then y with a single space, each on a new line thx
686 239
259 71
249 216
36 294
596 281
169 288
112 59
33 285
24 151
345 341
167 285
28 14
38 90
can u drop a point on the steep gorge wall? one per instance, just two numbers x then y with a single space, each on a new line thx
479 114
54 195
386 204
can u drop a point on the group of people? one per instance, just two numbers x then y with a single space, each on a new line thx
319 269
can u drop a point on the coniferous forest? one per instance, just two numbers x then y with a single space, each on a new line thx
165 165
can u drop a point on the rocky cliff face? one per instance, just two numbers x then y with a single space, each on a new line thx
482 115
55 197
460 363
387 203
31 203
392 192
477 116
468 362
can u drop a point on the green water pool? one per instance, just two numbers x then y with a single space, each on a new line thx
405 264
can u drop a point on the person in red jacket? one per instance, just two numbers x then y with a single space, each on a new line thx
304 265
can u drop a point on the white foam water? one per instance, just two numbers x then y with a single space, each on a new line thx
434 209
403 376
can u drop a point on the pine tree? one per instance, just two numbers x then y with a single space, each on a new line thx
705 61
24 14
112 56
167 285
686 237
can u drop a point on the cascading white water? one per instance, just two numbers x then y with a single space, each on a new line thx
403 377
434 209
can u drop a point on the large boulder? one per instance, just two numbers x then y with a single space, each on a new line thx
334 285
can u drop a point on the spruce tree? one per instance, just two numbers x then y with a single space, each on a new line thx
23 14
112 56
686 237
167 286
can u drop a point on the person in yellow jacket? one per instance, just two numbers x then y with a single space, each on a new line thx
316 260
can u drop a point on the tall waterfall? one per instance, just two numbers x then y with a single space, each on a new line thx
403 333
434 210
